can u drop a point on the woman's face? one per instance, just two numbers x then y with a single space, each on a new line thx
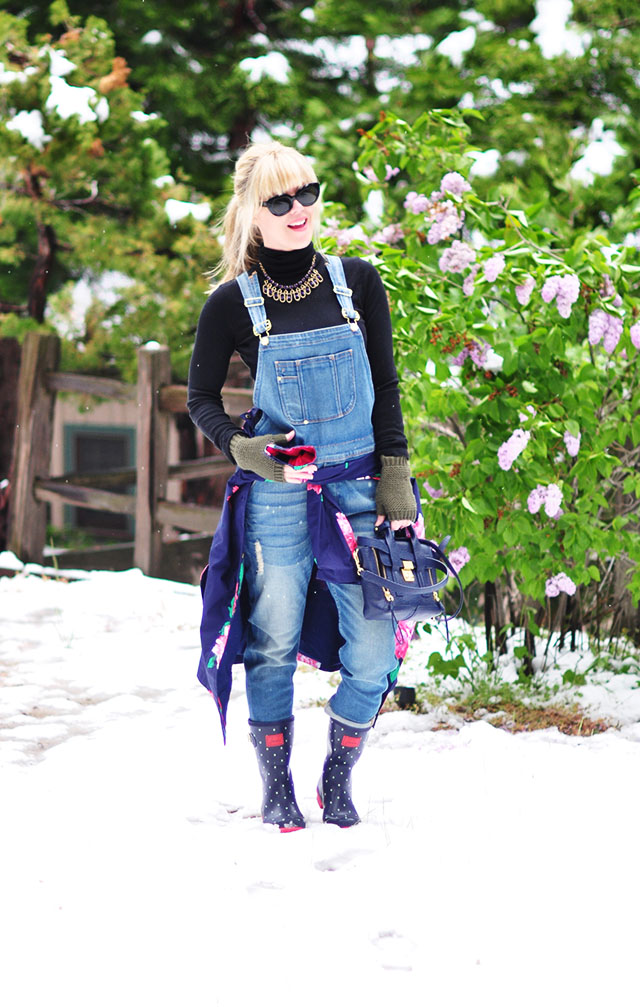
291 231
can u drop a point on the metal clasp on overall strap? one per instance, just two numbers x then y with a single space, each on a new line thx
352 320
263 336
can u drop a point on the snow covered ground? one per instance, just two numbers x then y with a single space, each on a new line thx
135 870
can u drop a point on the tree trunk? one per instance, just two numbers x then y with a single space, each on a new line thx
41 272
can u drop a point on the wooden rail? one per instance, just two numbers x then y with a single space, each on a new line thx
156 401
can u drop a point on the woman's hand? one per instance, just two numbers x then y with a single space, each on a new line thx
395 499
395 525
299 475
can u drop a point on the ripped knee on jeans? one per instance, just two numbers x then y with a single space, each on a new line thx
259 558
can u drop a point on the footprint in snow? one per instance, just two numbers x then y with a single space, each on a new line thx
396 952
338 860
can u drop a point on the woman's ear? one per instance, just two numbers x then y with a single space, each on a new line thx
256 232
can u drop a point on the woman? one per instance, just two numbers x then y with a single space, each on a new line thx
315 333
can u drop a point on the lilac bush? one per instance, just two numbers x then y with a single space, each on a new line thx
518 353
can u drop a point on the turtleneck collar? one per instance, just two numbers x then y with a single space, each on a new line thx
286 267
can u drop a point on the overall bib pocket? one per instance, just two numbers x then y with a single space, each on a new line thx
316 389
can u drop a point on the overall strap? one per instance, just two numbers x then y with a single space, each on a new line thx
341 290
254 303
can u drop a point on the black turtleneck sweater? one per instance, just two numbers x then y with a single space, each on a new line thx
224 326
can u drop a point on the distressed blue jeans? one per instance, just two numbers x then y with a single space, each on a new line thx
278 565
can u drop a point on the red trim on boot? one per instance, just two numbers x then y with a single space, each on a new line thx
348 741
274 740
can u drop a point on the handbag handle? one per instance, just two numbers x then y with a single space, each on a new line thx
408 534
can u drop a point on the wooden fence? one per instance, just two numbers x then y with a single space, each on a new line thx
156 400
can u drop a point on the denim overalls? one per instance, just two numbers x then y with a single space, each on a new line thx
317 382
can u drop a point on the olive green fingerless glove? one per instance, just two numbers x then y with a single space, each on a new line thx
394 496
248 453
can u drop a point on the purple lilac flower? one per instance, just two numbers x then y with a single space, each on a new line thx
457 258
515 445
493 267
390 172
460 358
478 352
572 443
568 293
523 416
559 582
608 290
458 558
598 324
525 289
553 499
434 493
550 289
535 499
344 236
370 174
565 583
566 290
604 326
392 234
634 332
446 221
454 182
548 496
613 333
416 202
468 285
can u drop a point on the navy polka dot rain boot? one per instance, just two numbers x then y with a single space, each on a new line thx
272 742
334 789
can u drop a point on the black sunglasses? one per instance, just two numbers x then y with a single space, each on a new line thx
306 196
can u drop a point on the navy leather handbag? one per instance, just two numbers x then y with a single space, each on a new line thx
403 576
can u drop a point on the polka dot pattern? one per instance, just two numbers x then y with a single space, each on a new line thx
334 790
272 742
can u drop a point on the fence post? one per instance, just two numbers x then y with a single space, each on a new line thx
32 446
154 371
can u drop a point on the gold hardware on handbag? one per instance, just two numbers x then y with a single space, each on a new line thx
407 571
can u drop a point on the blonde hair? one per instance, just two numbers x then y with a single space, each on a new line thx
262 170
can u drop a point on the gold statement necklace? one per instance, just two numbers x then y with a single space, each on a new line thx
287 294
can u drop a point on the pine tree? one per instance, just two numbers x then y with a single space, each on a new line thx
88 207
